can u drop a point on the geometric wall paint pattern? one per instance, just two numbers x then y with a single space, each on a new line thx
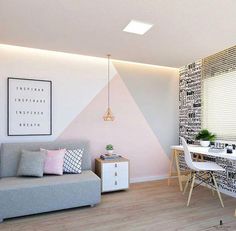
140 130
129 132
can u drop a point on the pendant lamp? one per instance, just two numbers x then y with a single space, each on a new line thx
108 116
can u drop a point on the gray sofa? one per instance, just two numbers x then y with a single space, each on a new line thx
21 196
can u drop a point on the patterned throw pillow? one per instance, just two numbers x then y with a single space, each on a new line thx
73 161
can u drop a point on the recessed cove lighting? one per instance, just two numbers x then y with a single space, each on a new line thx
137 27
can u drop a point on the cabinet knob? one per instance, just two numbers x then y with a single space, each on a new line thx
115 165
115 182
115 173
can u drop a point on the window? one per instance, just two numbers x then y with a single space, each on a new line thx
219 94
219 105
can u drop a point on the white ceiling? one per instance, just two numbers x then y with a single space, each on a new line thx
183 31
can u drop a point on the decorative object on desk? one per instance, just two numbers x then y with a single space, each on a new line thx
229 149
205 137
29 107
108 115
110 148
220 145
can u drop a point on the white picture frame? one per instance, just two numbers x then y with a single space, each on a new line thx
29 107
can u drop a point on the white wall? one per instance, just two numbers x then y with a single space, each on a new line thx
76 81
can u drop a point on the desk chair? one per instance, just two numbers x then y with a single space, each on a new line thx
199 170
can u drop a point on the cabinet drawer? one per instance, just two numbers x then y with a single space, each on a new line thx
115 168
115 176
114 183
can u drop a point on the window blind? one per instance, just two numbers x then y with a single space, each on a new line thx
219 94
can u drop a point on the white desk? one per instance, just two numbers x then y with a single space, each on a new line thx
200 152
204 151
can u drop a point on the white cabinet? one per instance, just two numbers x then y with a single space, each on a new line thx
114 174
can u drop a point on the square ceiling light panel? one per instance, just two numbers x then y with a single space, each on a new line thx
137 27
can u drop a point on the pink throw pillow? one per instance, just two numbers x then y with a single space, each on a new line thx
54 162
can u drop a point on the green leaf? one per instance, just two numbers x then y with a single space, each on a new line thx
205 135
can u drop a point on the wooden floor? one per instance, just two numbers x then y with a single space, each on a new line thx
146 206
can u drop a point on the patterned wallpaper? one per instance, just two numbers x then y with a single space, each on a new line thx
190 101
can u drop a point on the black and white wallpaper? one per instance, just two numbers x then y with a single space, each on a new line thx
190 122
190 101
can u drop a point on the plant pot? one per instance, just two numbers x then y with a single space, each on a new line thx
204 143
110 152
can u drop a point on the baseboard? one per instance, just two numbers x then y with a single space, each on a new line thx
148 178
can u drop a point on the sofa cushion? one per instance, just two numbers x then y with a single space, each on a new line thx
21 196
12 183
31 163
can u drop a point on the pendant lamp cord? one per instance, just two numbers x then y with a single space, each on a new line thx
108 85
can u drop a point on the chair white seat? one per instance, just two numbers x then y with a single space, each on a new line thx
208 166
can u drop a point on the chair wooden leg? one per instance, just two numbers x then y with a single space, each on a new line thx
191 189
171 165
217 190
187 182
178 170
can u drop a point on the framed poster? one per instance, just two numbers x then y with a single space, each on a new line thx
29 107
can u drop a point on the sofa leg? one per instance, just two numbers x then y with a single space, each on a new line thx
93 205
1 220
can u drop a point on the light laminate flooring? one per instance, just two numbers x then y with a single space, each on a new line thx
145 206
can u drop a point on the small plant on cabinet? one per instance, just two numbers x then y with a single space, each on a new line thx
110 148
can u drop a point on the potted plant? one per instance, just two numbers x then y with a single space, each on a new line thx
110 149
205 137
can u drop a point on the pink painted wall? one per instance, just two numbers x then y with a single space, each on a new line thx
129 133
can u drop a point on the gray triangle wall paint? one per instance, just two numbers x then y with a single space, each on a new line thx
156 92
